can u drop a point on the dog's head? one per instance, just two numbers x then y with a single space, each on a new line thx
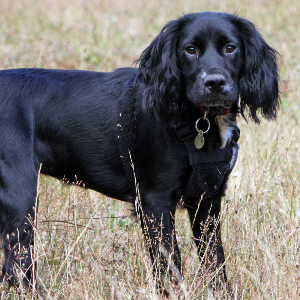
211 60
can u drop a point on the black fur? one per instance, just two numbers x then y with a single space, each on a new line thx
68 122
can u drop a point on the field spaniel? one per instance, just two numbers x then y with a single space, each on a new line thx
156 135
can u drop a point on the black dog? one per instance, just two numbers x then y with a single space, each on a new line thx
168 125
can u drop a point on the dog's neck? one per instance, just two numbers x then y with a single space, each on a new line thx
222 127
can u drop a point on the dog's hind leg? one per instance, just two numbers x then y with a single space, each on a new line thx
17 221
18 186
18 252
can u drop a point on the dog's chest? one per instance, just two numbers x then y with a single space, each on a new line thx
226 127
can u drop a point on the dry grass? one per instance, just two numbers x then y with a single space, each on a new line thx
104 257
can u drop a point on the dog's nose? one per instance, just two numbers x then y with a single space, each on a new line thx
215 82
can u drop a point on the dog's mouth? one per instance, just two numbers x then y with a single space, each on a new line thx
216 110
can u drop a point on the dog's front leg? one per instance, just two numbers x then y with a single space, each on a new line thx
159 230
205 220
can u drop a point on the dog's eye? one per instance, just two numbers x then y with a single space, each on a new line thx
230 48
190 50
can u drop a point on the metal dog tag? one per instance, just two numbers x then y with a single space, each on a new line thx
199 140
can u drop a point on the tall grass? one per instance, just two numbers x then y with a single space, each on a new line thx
88 246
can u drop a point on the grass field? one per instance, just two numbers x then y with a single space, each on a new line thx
104 257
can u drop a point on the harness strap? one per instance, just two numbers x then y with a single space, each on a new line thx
219 155
185 135
126 126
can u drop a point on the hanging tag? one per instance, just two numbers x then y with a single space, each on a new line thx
199 140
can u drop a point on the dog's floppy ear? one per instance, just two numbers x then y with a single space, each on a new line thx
259 86
159 71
